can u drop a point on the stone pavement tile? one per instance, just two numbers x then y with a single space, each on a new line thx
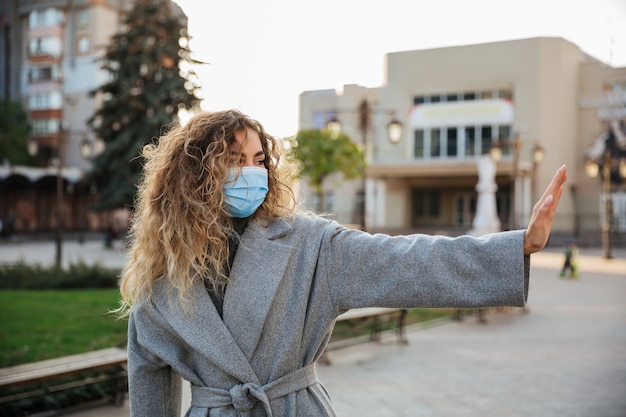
566 357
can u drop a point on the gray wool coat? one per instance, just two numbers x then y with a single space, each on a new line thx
288 283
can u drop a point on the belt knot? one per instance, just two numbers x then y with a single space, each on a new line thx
245 396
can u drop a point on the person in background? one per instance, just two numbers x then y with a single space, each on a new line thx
233 288
570 252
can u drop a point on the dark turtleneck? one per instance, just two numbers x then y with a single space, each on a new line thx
239 225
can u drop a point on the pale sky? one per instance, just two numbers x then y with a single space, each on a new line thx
264 53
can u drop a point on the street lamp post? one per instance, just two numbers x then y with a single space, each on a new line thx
59 212
515 144
605 165
394 135
538 154
85 149
33 149
86 152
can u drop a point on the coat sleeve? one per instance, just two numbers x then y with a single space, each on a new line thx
423 271
154 389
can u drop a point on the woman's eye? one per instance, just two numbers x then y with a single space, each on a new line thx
261 163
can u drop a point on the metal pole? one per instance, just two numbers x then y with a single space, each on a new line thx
59 212
514 199
363 124
606 224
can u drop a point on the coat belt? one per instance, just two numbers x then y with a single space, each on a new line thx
243 397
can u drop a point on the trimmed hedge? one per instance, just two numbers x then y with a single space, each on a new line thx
24 276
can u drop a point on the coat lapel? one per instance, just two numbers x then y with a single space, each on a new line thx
257 271
205 332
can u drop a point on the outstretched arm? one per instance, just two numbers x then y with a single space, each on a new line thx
541 219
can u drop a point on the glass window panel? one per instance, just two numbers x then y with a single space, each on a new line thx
504 135
470 141
418 147
485 139
83 18
505 94
460 211
426 203
469 96
433 209
452 142
435 143
329 202
84 45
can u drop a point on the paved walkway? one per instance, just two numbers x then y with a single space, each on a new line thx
566 357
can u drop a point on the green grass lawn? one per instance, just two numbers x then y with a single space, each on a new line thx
43 324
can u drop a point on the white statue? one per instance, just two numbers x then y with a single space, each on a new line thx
486 219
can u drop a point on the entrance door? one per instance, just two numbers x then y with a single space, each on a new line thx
464 209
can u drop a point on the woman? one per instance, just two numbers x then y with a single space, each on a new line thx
230 288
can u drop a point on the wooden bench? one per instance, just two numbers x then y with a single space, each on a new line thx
376 317
31 375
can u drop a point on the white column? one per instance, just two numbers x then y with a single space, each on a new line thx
486 220
369 203
379 203
526 201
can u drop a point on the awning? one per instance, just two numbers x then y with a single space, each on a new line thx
33 174
462 113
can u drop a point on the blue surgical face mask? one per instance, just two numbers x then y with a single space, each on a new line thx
245 192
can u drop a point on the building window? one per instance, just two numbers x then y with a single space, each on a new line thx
505 94
50 45
419 145
38 74
45 17
426 203
45 101
435 143
504 135
320 118
329 202
486 138
452 142
83 19
470 141
469 96
83 45
45 127
465 209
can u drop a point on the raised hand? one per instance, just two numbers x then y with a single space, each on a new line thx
541 219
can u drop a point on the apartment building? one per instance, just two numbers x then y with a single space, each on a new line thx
543 101
49 61
49 55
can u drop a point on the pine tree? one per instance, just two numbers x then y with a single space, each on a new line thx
14 131
151 78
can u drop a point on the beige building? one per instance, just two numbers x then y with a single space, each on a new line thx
528 95
50 64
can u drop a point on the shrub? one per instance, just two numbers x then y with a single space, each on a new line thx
22 275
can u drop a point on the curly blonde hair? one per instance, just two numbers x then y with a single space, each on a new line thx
180 227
